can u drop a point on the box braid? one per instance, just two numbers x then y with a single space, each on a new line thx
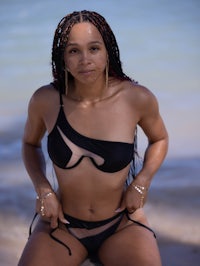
61 38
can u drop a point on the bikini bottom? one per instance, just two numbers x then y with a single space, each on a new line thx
90 234
93 234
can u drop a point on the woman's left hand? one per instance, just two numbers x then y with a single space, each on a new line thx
132 200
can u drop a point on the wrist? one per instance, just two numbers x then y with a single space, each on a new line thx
43 190
142 180
42 200
45 195
141 190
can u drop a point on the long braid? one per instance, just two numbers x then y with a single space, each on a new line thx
59 43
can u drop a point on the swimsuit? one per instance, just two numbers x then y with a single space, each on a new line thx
91 241
67 148
94 233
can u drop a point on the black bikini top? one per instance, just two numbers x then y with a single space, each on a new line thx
67 148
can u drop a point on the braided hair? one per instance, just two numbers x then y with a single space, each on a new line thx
115 67
61 37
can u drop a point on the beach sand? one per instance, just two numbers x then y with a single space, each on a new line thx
173 210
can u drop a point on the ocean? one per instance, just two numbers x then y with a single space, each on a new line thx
159 44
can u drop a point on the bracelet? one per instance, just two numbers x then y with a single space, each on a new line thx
41 199
46 195
142 190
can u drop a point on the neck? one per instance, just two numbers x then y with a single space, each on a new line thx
90 93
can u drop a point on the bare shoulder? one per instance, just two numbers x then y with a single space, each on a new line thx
41 94
43 97
137 91
140 96
39 107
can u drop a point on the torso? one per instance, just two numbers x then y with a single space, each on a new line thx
85 190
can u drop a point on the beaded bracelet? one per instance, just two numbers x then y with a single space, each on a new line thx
142 190
46 195
41 199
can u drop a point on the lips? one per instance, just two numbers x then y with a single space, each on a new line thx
86 71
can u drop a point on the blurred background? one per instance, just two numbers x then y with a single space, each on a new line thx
159 42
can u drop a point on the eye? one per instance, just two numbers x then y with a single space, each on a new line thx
73 51
94 49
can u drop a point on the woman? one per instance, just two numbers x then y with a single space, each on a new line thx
90 113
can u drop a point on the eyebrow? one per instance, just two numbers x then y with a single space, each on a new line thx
76 44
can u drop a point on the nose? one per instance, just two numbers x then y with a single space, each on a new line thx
85 58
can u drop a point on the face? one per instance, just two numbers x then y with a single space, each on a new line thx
85 53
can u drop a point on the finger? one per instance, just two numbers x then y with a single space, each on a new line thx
54 222
122 206
62 218
130 211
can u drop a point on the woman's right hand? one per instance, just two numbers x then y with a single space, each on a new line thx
50 209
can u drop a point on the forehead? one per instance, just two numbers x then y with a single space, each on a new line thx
84 31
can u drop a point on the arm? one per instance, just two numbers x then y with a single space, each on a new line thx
33 156
34 160
152 124
154 128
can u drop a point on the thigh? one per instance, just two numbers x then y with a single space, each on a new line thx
131 245
42 250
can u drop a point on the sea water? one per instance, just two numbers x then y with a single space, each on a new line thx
159 44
